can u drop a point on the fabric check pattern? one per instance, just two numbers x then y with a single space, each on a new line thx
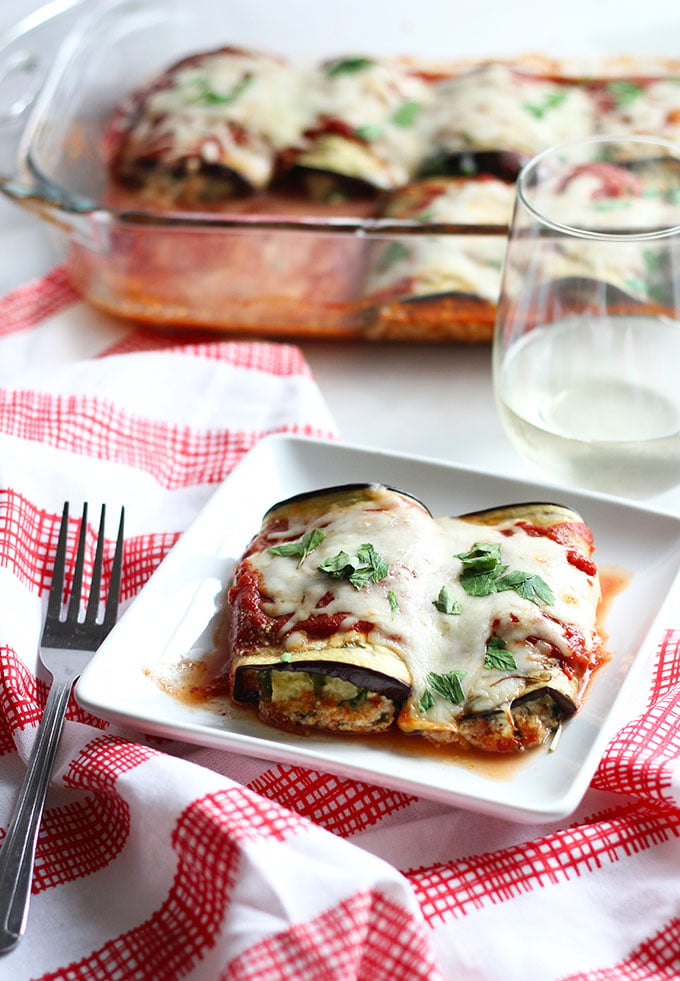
158 860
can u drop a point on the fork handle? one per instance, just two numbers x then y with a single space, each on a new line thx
17 854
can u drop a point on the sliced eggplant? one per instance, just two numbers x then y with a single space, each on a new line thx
354 610
528 721
497 117
342 494
209 127
367 126
503 164
439 286
338 689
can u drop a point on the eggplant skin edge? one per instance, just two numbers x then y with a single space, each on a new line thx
304 706
339 491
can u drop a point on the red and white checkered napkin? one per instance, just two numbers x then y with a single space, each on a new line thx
162 861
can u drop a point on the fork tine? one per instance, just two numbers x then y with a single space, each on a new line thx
57 586
76 589
65 648
113 597
95 584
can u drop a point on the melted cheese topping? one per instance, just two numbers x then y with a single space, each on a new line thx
421 553
450 263
496 108
645 110
591 198
239 109
384 105
235 109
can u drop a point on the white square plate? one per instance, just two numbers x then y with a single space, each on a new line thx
173 618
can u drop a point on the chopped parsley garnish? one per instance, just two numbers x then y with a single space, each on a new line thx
447 685
369 133
426 702
406 114
498 656
529 586
624 92
347 66
205 96
445 603
551 101
309 541
360 569
394 605
484 573
480 558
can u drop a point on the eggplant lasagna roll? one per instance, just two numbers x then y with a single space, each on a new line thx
354 610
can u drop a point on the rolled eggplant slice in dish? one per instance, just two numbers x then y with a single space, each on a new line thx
447 285
367 125
354 610
530 673
210 127
494 118
308 606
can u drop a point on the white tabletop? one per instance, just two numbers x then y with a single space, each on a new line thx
428 400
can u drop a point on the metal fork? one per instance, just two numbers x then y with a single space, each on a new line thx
66 647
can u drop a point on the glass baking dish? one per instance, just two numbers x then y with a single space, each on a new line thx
274 273
298 275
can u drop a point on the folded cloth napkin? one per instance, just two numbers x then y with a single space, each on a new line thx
163 861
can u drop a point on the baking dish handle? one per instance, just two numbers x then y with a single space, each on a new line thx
27 51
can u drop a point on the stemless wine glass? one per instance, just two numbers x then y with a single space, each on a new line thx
586 353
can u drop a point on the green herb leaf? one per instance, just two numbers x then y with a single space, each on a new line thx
309 541
361 577
369 133
366 566
339 566
394 605
286 657
205 96
551 101
426 702
445 603
529 586
380 568
448 685
406 114
482 583
484 574
347 66
624 92
498 656
482 557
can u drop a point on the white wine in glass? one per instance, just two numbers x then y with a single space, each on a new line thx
587 343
